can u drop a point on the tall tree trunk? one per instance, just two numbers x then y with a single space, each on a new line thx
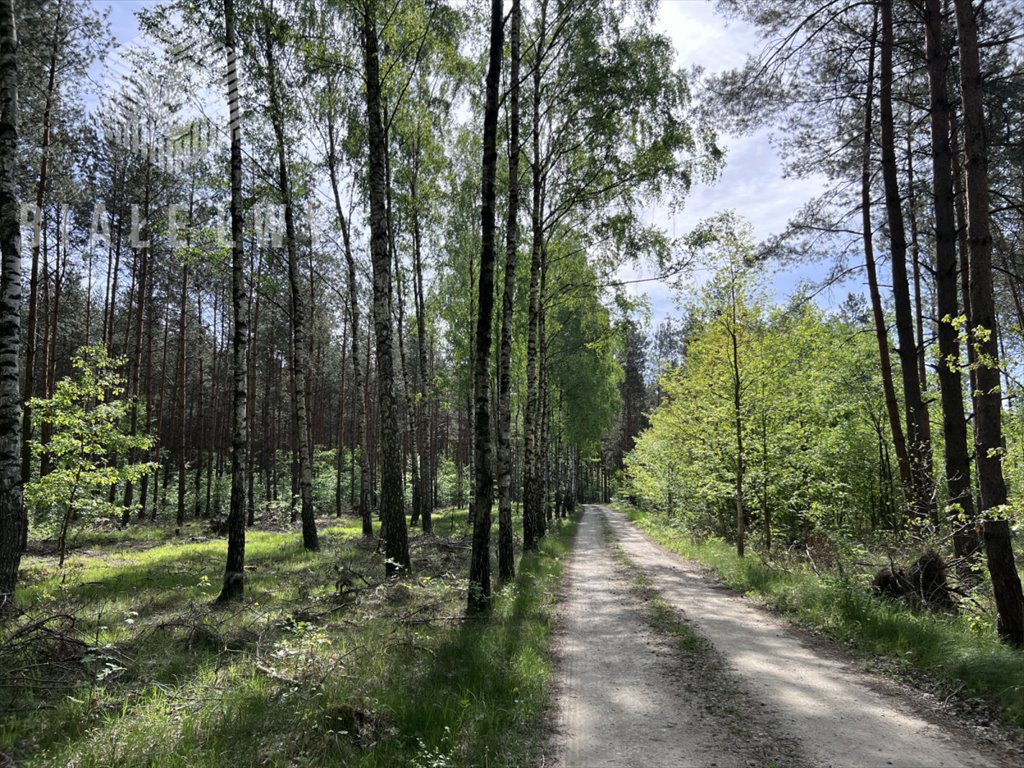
154 450
361 454
954 421
293 433
300 351
268 447
506 553
410 405
255 271
180 426
147 393
396 545
114 254
531 514
545 407
33 283
211 421
339 469
737 393
988 438
918 445
480 562
51 298
196 418
540 485
372 425
11 509
892 408
407 447
234 570
915 260
964 259
422 414
135 375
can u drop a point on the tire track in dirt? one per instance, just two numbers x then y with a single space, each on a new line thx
628 695
717 680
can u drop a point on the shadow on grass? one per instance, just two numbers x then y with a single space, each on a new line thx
157 578
466 693
150 626
480 696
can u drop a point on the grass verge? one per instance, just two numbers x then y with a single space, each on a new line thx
323 664
964 658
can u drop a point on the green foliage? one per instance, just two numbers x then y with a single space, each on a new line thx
448 482
89 450
581 339
1013 460
812 418
325 478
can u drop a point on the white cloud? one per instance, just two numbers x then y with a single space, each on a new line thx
752 183
702 37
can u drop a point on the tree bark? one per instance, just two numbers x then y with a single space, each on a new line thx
158 442
11 501
33 283
954 421
506 553
300 350
918 446
181 428
915 260
530 480
364 508
540 479
892 408
422 418
540 453
410 405
234 569
53 303
392 506
339 465
480 562
988 438
737 402
135 374
255 270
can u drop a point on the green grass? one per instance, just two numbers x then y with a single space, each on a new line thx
383 675
955 650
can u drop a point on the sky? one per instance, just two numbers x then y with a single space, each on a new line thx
752 184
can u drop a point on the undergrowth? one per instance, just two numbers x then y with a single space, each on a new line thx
960 652
122 658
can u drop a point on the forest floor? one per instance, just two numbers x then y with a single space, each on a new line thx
659 665
122 657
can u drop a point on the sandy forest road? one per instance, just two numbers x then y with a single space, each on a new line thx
753 694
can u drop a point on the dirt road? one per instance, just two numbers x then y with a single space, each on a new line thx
696 675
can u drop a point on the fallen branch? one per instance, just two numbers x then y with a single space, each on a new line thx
273 673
